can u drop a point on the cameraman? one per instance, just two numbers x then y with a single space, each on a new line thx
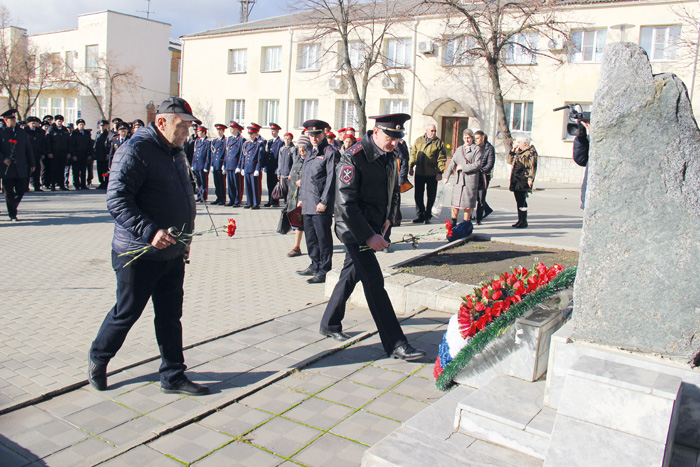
581 146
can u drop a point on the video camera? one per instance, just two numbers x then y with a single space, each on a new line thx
575 113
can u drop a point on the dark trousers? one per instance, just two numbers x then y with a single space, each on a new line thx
79 172
102 173
234 184
162 282
66 172
252 189
481 204
425 183
363 266
46 174
200 177
521 200
319 241
58 168
271 179
219 185
14 188
90 172
36 175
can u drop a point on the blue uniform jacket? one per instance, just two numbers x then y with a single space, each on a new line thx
273 150
233 152
202 154
318 179
218 151
251 155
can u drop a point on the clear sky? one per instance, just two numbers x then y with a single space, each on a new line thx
185 17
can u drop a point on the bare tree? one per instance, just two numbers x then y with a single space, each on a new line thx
103 78
24 71
358 31
501 33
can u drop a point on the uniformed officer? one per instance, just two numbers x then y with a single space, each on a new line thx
117 140
81 154
188 146
37 138
367 197
59 152
234 179
201 161
316 200
17 159
136 124
330 136
101 152
285 161
46 166
250 166
271 161
218 152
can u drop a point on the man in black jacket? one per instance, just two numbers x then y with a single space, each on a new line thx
37 138
101 152
487 162
149 195
58 152
18 162
81 153
367 197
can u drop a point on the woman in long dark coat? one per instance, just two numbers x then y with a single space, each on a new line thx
466 164
523 158
298 157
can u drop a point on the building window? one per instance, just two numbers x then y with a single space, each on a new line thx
519 116
588 45
309 57
457 51
399 53
272 59
235 110
347 115
237 60
660 42
71 112
269 111
521 49
92 52
307 109
69 65
570 121
356 50
395 106
57 106
44 107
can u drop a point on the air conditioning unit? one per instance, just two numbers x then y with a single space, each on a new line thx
556 44
426 47
335 84
390 83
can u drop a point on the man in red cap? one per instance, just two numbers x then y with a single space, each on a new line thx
234 179
250 164
218 152
201 161
272 149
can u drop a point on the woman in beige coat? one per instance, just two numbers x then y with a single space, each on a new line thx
466 165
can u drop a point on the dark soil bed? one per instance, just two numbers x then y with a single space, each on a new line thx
479 260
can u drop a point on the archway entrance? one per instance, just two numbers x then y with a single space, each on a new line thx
452 118
451 133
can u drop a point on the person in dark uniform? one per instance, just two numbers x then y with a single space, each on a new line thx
285 162
402 157
272 149
330 136
250 166
234 179
201 160
218 152
367 197
117 140
17 158
58 152
101 152
37 138
316 196
81 153
149 192
46 163
135 125
189 144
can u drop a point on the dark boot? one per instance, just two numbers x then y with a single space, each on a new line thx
453 221
520 220
523 221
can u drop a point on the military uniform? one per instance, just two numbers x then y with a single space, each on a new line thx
201 161
37 138
17 158
81 152
234 179
218 152
117 141
250 164
101 152
58 149
271 160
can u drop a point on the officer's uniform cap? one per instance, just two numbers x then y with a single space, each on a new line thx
315 127
274 126
122 126
220 126
80 120
254 128
12 113
391 124
202 128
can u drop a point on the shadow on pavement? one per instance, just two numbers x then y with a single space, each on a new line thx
12 454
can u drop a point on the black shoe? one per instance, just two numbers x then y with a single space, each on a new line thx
38 189
340 336
268 204
97 375
307 272
257 206
228 204
247 206
427 220
53 188
63 188
187 387
237 205
319 278
407 352
418 220
487 211
14 219
478 222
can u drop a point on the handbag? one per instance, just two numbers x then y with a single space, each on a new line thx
295 218
405 186
283 226
279 191
461 230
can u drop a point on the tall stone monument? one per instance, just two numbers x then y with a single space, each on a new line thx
637 286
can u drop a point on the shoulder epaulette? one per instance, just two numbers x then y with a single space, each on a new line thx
354 149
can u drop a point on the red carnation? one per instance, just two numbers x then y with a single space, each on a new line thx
231 228
448 226
496 285
497 294
479 306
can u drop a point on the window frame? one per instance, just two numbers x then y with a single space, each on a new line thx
92 55
466 42
524 116
672 44
302 65
597 54
264 111
401 43
516 50
235 110
344 117
393 106
234 60
264 59
302 110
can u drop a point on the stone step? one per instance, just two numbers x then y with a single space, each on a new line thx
508 411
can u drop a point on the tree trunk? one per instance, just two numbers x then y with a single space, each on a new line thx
501 122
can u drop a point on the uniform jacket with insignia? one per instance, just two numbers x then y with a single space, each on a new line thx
37 138
285 161
218 151
81 144
201 160
15 145
101 148
272 153
367 191
318 179
58 140
233 152
251 155
114 145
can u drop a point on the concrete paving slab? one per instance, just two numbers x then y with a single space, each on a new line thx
395 406
378 378
274 399
319 413
190 443
102 417
236 419
331 451
142 455
349 394
283 437
130 431
240 454
365 428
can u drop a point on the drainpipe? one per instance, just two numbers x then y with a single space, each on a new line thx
695 64
289 77
411 97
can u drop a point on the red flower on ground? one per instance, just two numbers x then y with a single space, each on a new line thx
231 228
448 226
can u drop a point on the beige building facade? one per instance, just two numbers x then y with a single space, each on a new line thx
272 71
105 43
